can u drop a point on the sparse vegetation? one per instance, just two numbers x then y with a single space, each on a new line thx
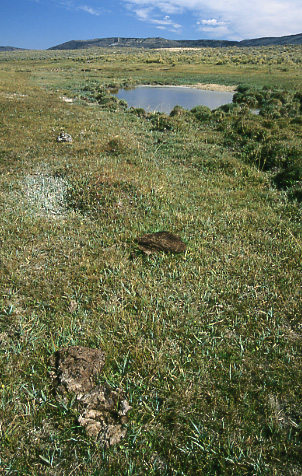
206 345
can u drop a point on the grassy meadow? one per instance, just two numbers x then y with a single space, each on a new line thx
207 345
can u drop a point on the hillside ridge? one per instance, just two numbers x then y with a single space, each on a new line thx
157 42
10 48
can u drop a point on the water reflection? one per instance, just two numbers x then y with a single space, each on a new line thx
165 98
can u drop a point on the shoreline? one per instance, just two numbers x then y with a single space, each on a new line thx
212 87
205 86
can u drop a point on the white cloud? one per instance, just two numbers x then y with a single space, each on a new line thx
76 6
153 17
166 22
212 22
169 7
234 19
87 9
143 14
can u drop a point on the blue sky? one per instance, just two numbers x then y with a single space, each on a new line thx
40 24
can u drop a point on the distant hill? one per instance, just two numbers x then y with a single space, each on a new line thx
157 42
116 41
282 40
149 43
9 48
152 43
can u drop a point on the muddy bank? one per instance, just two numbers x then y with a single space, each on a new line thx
213 87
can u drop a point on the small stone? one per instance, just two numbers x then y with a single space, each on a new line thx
161 241
64 137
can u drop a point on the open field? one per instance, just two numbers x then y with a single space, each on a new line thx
207 344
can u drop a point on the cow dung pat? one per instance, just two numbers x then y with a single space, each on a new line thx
161 241
103 411
75 368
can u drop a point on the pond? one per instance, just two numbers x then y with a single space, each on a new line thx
165 98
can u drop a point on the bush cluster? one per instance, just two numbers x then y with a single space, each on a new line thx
262 126
272 104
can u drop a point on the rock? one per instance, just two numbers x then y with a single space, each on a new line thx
64 137
161 241
103 411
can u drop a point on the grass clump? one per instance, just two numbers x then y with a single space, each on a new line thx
202 113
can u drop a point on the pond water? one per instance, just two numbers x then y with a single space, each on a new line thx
165 98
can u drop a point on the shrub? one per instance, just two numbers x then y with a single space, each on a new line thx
298 96
288 177
123 104
242 89
116 146
108 101
270 110
161 122
297 120
178 111
138 111
230 108
218 115
202 113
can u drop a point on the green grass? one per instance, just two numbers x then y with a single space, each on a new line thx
206 345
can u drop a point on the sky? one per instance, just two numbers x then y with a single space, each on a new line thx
40 24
